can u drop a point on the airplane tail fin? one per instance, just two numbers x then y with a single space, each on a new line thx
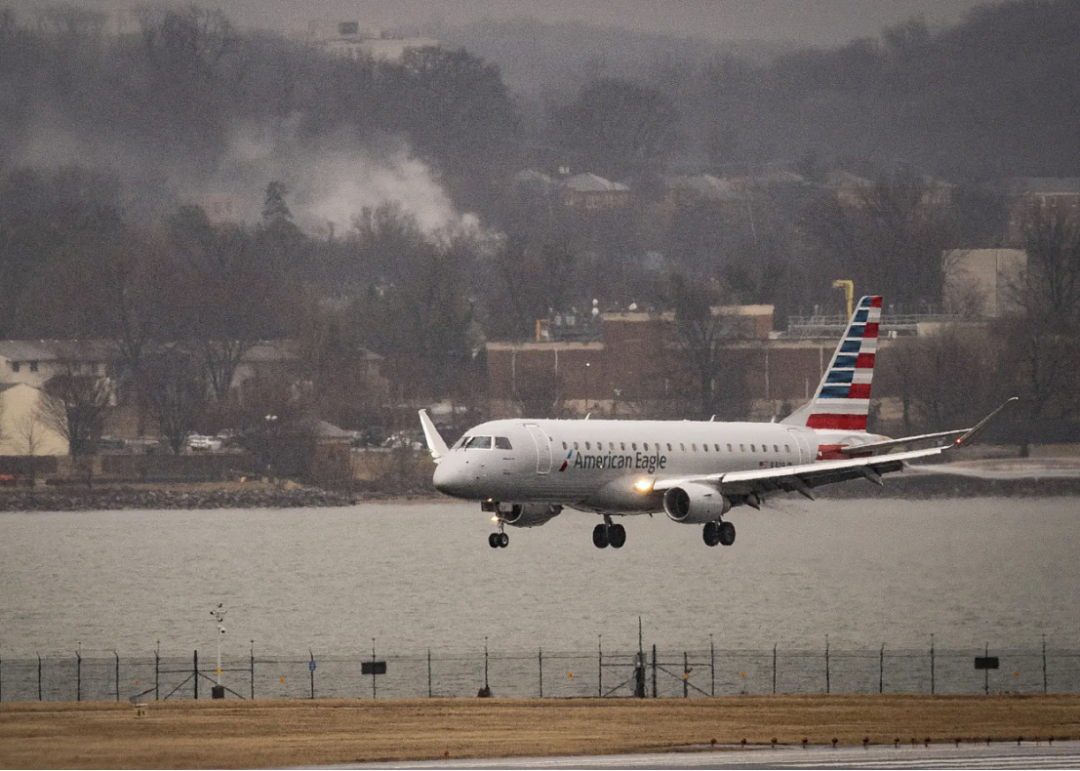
842 399
436 445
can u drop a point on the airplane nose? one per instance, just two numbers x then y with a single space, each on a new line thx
449 479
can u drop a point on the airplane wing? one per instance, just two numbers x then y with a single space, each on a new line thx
805 477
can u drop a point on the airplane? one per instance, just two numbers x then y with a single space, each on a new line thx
525 472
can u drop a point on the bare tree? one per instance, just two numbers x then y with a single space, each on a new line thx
174 389
73 405
30 431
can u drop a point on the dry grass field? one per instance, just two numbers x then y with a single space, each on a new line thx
236 734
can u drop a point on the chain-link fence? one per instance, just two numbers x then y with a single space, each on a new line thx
648 672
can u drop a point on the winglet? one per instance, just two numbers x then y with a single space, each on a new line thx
978 427
435 442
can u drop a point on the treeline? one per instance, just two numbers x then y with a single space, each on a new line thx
102 136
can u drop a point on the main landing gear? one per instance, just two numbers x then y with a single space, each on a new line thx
718 532
499 540
608 534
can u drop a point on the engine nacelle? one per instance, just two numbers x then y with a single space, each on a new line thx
695 504
528 514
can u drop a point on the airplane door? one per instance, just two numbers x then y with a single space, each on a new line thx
805 454
543 448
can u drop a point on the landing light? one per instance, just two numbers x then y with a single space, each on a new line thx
495 518
643 485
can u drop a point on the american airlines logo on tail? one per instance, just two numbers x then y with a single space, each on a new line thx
842 400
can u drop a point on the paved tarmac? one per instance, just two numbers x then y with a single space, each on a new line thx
1002 755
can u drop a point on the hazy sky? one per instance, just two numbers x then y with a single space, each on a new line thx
821 22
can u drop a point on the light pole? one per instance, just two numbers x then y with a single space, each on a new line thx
218 691
271 421
588 367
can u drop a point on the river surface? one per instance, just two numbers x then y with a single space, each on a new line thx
415 576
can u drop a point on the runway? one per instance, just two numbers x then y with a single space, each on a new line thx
1001 755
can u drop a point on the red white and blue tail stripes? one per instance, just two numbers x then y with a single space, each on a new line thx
842 400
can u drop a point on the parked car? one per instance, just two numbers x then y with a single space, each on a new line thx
198 443
111 444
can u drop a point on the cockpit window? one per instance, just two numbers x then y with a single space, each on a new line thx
502 443
460 442
478 443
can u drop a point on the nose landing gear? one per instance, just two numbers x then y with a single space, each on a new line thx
718 532
608 534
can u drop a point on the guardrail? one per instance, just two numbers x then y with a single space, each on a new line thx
834 326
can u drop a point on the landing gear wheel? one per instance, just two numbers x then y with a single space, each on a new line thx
600 537
727 534
616 536
504 540
711 533
493 540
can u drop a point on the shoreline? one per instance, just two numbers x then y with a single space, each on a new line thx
208 496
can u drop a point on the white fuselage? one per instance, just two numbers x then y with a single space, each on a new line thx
609 465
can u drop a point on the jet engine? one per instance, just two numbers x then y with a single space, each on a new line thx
529 514
695 504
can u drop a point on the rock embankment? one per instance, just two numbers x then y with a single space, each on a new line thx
99 498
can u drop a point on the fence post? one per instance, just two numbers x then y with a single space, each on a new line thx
157 672
374 692
78 673
311 671
828 684
986 673
39 677
251 664
712 668
685 676
774 669
541 659
1045 685
881 671
429 693
654 693
933 683
117 675
600 665
487 688
195 679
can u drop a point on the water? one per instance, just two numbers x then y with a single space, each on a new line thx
419 576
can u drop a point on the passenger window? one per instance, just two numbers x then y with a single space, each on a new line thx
588 446
669 446
645 446
716 447
502 443
575 446
694 447
775 448
623 445
729 448
742 448
634 446
787 448
479 443
753 448
564 446
705 446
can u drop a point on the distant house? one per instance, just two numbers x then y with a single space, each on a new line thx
591 192
34 362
